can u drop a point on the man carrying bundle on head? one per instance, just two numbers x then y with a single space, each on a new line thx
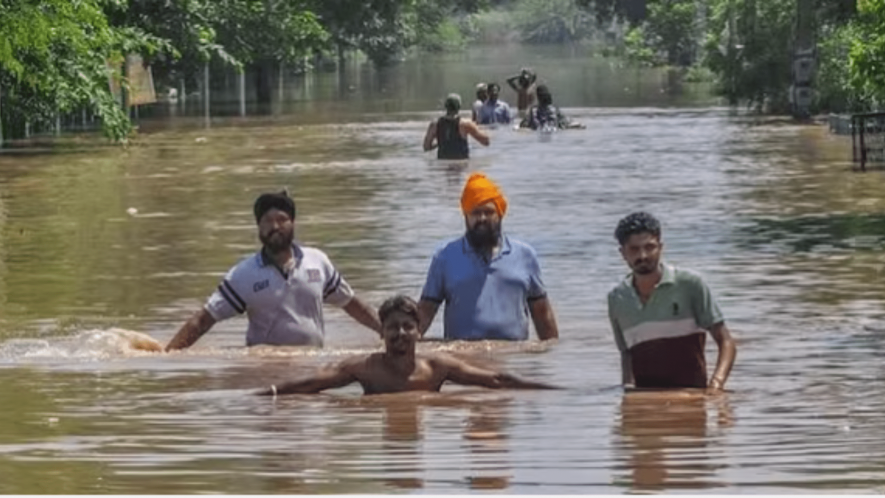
524 85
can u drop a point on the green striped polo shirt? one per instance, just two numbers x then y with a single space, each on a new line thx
666 335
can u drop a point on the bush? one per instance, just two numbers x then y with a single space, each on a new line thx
699 74
494 26
833 79
637 50
446 37
551 21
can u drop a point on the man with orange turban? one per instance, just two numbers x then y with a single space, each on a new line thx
489 282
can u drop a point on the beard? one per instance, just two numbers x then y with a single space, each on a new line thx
484 235
644 266
277 240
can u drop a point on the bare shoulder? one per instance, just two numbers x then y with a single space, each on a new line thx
467 123
354 365
441 360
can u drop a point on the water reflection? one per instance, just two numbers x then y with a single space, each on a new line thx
486 435
770 214
411 451
666 440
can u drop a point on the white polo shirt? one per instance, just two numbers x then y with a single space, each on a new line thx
284 307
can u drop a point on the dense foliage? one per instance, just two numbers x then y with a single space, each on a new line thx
56 55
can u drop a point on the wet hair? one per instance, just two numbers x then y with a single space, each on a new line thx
525 76
278 200
494 87
401 303
544 95
453 102
639 222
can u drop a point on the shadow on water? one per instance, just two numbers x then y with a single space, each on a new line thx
823 233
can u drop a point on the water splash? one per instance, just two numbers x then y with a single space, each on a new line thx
93 344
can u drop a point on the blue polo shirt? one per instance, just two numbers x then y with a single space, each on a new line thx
485 299
494 112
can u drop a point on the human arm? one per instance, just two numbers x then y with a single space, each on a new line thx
471 129
426 312
539 304
507 113
224 303
708 316
460 372
433 293
430 137
626 358
627 379
363 313
327 378
543 318
198 324
725 360
512 82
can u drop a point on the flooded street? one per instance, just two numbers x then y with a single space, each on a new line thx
788 238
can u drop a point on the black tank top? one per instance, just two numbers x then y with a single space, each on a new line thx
448 136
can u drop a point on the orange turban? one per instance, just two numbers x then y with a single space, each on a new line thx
480 190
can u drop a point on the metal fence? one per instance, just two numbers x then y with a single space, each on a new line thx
868 138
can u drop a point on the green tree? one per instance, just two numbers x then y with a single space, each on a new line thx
867 53
631 11
551 21
54 58
667 36
749 46
189 27
261 34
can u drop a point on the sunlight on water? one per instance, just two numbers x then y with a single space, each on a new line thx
788 238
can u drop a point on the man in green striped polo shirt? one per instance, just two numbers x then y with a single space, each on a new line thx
661 314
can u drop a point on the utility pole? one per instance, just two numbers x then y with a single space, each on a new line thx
124 91
804 54
206 115
1 117
241 79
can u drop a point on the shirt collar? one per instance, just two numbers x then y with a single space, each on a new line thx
506 248
668 276
264 260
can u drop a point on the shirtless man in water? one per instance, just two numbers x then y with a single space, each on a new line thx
398 368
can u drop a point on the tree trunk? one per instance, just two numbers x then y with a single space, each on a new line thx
263 84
